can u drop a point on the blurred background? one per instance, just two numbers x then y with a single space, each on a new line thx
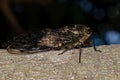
103 16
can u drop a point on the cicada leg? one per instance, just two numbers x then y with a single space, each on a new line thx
80 52
64 51
95 47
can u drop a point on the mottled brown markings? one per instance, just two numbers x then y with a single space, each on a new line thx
68 37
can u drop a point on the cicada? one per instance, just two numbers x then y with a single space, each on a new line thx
65 38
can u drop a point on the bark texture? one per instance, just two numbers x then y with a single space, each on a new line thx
51 66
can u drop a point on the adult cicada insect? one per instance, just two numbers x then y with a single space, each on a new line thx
66 38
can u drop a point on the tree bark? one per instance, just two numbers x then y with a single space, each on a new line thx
49 65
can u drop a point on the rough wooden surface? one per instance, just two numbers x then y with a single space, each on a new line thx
51 66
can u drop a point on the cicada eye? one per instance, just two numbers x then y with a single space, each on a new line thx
89 31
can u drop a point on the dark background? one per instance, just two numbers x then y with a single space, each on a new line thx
103 16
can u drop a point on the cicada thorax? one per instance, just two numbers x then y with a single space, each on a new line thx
76 34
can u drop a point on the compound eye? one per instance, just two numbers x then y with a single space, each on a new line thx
89 31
